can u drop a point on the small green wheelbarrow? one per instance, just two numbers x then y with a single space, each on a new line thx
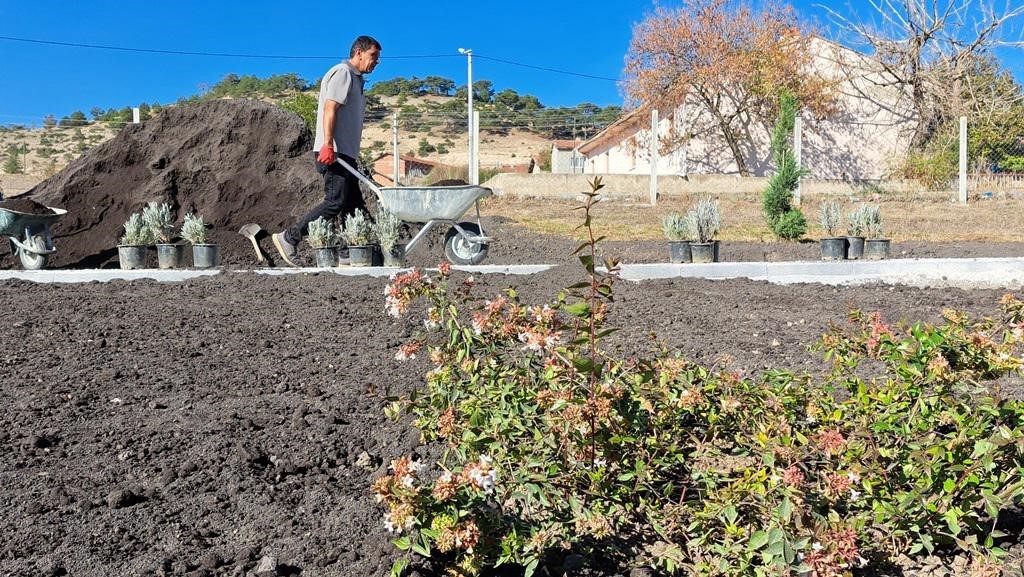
30 236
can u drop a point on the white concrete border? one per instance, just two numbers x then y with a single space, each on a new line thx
928 272
161 275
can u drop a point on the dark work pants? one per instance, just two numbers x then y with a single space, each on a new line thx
341 197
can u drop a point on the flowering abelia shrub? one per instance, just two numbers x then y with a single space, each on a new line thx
554 445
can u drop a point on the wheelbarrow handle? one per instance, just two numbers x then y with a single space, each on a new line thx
373 185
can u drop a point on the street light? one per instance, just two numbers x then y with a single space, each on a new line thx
469 103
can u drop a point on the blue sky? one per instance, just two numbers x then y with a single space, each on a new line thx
421 39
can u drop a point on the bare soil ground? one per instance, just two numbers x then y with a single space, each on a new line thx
232 425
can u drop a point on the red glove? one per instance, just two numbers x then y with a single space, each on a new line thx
326 155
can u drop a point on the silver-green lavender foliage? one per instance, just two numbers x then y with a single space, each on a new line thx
194 229
705 220
136 233
873 220
857 220
358 230
322 233
675 226
157 218
387 228
829 216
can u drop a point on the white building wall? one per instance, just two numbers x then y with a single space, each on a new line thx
866 138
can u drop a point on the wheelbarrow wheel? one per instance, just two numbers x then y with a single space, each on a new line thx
458 250
33 260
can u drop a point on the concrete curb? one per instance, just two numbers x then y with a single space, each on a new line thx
935 272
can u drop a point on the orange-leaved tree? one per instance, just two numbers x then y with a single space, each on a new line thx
729 63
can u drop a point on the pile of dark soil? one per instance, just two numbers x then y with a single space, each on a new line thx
24 206
231 161
232 425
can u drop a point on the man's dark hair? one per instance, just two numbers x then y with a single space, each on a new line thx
362 44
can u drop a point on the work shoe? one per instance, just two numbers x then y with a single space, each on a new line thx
289 252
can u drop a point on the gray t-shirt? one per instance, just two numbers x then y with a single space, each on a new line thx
344 85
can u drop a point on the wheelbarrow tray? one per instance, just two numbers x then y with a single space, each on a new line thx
14 223
426 203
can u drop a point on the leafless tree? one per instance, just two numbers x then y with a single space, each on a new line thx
931 50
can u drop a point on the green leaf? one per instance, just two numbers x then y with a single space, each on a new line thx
402 543
530 568
785 510
757 540
580 309
948 485
729 514
953 522
398 567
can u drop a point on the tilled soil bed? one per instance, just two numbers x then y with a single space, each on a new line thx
232 425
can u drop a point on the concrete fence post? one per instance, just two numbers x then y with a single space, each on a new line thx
474 170
962 184
798 130
654 157
394 147
136 115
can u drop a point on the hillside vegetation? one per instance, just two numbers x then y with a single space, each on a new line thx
431 118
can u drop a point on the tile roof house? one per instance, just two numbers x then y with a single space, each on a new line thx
409 168
870 130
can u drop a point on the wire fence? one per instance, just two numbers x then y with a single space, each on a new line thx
860 151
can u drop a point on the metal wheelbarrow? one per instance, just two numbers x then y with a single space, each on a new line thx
465 242
29 235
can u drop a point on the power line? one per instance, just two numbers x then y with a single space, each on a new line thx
555 70
288 57
195 53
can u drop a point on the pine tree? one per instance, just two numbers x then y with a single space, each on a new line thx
784 220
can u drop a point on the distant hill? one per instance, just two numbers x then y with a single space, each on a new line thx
431 112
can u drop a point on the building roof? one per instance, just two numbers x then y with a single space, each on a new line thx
565 144
616 130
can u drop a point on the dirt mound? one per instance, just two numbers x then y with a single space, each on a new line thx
25 206
232 161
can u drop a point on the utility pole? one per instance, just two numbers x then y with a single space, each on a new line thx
469 105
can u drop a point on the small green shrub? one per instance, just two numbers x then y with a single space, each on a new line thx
387 229
553 444
935 170
136 233
872 220
791 225
321 233
705 220
829 217
303 104
675 226
358 230
858 220
194 229
157 218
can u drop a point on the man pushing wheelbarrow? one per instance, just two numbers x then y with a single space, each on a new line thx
339 130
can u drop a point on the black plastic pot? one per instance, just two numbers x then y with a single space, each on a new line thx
876 248
395 256
170 255
833 248
703 252
360 255
132 256
854 247
679 251
326 256
205 255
